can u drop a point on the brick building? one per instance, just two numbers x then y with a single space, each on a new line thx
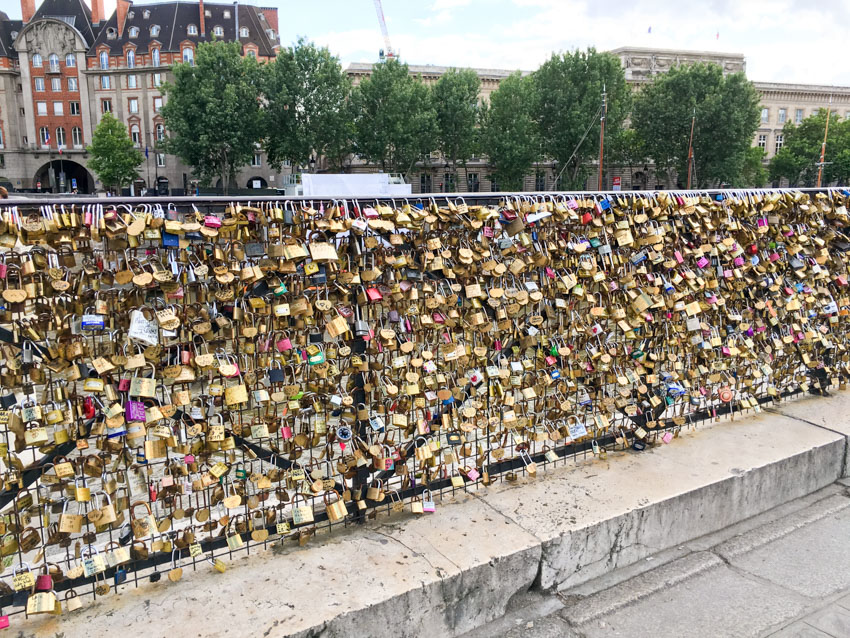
65 64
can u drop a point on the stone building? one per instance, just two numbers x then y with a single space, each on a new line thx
65 64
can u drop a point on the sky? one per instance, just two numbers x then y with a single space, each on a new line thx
800 41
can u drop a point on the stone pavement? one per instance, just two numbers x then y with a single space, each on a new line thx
784 574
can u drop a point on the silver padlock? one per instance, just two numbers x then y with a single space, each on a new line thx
26 352
361 328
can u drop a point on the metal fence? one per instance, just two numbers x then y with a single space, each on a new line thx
303 364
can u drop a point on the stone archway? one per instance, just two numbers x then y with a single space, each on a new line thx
60 176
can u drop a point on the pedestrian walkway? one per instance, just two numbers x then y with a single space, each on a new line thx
784 574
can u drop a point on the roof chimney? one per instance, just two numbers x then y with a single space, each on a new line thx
96 11
123 6
27 10
202 20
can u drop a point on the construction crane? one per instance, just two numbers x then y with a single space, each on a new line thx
388 51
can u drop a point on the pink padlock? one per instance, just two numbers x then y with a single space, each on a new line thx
739 261
702 262
473 474
123 385
211 221
286 432
283 344
44 582
3 269
185 357
678 256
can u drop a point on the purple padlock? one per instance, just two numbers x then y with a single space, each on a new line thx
134 411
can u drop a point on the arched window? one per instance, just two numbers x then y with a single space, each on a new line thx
155 57
77 137
60 137
36 60
218 32
44 136
189 55
70 60
53 61
252 54
111 33
160 132
134 32
243 32
136 135
192 29
154 30
131 59
104 59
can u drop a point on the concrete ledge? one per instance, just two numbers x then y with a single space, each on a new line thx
448 573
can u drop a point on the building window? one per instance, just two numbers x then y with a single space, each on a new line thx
2 145
104 60
252 54
56 84
271 34
146 14
60 137
762 141
782 114
74 108
136 135
192 29
779 141
155 57
105 82
111 33
189 55
39 84
765 114
77 137
540 181
218 32
157 79
41 108
70 60
257 160
154 30
106 106
36 60
132 81
134 32
44 136
157 104
160 132
160 160
798 116
53 61
134 105
243 32
131 59
72 84
226 14
2 158
58 108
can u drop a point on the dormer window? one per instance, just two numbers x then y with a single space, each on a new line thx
271 34
134 32
111 33
208 13
154 30
262 17
192 29
226 14
243 32
218 32
131 15
146 14
14 34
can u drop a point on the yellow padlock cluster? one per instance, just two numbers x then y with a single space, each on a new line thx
183 381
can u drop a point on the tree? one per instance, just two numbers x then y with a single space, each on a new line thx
627 149
213 111
797 160
114 157
309 108
727 115
456 103
509 135
396 121
753 173
570 87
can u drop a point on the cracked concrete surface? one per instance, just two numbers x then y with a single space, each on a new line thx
483 552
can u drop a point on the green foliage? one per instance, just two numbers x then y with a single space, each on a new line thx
727 115
114 158
396 122
753 172
570 87
309 108
509 135
213 111
455 98
797 160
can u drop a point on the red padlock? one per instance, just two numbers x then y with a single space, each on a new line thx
374 295
123 384
44 582
88 408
